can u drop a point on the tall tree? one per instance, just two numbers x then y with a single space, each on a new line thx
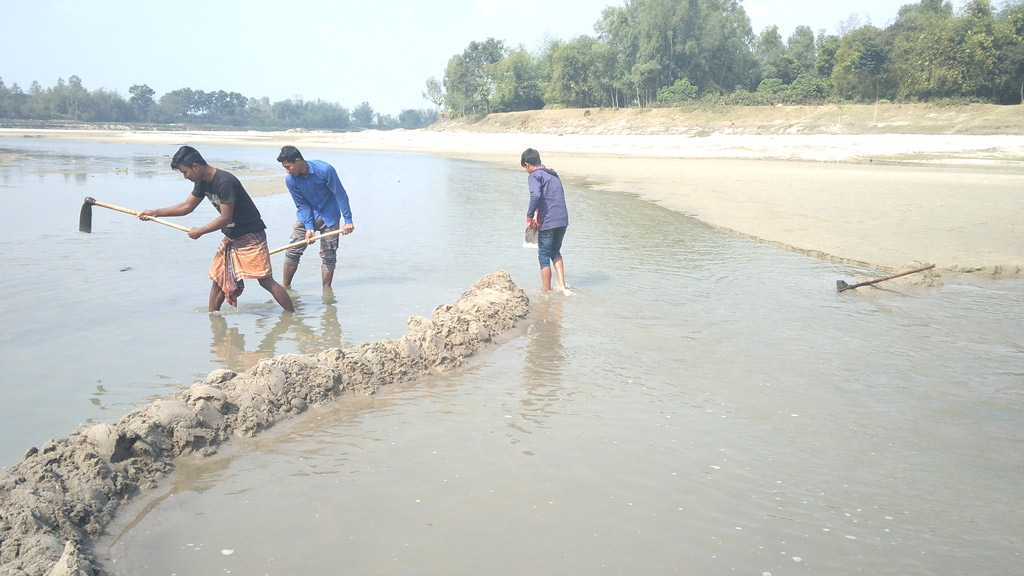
141 99
800 47
469 77
828 45
458 86
1009 83
517 82
6 101
974 31
619 45
178 105
572 69
75 96
767 49
701 40
923 51
434 93
861 62
363 115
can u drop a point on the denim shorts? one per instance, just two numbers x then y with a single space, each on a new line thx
549 245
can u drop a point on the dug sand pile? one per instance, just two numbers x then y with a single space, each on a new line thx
61 496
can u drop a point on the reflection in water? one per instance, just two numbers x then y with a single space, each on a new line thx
544 351
330 326
96 399
545 358
228 342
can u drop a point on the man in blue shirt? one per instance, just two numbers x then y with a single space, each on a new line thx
320 202
547 211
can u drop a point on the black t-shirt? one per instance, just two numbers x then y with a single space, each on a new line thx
225 188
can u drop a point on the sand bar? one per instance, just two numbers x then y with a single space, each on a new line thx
880 200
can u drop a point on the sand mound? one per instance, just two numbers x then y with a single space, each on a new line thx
61 496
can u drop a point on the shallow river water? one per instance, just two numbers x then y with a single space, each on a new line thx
703 403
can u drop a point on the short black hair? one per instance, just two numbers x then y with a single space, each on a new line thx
188 156
530 156
289 154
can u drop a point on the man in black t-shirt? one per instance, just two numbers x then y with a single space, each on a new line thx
243 253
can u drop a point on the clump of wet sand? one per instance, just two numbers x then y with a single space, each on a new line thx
61 496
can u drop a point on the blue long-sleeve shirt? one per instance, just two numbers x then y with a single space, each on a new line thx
319 194
547 197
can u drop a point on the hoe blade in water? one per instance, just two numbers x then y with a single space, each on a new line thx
85 216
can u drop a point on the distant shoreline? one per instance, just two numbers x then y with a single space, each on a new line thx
878 200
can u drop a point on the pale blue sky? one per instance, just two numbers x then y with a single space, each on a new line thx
379 51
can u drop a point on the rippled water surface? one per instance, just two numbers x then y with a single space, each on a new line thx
703 404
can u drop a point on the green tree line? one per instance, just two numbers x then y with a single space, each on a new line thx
69 101
647 52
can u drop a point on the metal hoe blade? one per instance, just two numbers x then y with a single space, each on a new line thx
85 216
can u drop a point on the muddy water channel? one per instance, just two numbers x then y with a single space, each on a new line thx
703 404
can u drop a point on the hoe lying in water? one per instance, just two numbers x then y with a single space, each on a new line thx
841 286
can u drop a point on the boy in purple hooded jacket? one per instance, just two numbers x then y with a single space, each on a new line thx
547 200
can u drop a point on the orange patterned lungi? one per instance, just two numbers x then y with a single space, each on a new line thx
237 258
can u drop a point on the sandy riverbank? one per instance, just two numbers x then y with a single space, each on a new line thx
882 200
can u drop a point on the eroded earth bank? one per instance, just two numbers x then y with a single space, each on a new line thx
63 495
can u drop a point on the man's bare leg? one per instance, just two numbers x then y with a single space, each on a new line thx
278 292
216 297
327 276
289 273
560 273
545 279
